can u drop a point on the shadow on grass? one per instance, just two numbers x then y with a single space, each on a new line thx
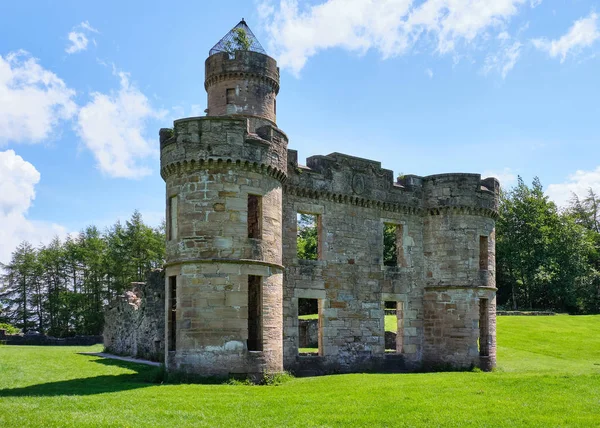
145 376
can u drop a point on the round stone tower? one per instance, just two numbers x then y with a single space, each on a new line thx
244 82
459 301
223 175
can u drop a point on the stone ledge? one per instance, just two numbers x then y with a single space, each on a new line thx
230 261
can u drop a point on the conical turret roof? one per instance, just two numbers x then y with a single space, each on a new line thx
239 38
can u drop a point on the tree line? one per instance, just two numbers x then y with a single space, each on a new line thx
546 259
60 289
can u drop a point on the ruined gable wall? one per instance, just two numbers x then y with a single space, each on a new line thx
353 197
134 323
442 216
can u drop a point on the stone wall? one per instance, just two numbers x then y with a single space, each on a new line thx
43 340
441 220
134 323
253 78
211 166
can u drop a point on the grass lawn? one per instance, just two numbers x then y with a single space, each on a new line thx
391 321
549 375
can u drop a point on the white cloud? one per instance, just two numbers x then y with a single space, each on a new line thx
507 177
78 39
577 183
504 60
583 33
33 100
17 191
86 26
390 26
429 72
197 110
113 127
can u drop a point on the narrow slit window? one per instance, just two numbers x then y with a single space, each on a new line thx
393 250
254 313
310 327
308 236
230 95
483 253
172 313
254 216
173 217
484 328
394 326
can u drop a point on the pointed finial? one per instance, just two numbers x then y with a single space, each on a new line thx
243 20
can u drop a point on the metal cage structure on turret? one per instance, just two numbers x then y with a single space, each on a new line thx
238 38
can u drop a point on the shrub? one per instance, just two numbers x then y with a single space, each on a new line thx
10 329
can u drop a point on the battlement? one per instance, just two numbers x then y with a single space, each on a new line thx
340 174
248 142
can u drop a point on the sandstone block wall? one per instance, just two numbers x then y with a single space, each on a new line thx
442 219
233 283
134 323
211 166
253 78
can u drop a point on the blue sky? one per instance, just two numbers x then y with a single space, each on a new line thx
502 88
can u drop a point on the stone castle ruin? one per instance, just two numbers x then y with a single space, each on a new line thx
233 278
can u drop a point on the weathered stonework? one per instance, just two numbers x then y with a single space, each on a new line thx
134 323
218 169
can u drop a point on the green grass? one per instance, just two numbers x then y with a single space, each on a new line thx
548 376
390 321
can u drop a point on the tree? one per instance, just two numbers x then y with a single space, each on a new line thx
307 237
542 255
241 41
586 213
53 265
61 288
390 251
20 287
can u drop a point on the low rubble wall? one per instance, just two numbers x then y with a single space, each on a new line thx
134 323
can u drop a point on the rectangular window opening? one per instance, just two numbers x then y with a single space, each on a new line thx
484 328
254 313
172 217
393 250
254 217
310 327
172 313
394 326
308 236
483 253
230 95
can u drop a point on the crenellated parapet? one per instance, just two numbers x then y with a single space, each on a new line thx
460 193
358 181
248 143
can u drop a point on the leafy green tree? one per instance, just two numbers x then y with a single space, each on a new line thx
307 237
241 41
586 212
542 255
390 252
